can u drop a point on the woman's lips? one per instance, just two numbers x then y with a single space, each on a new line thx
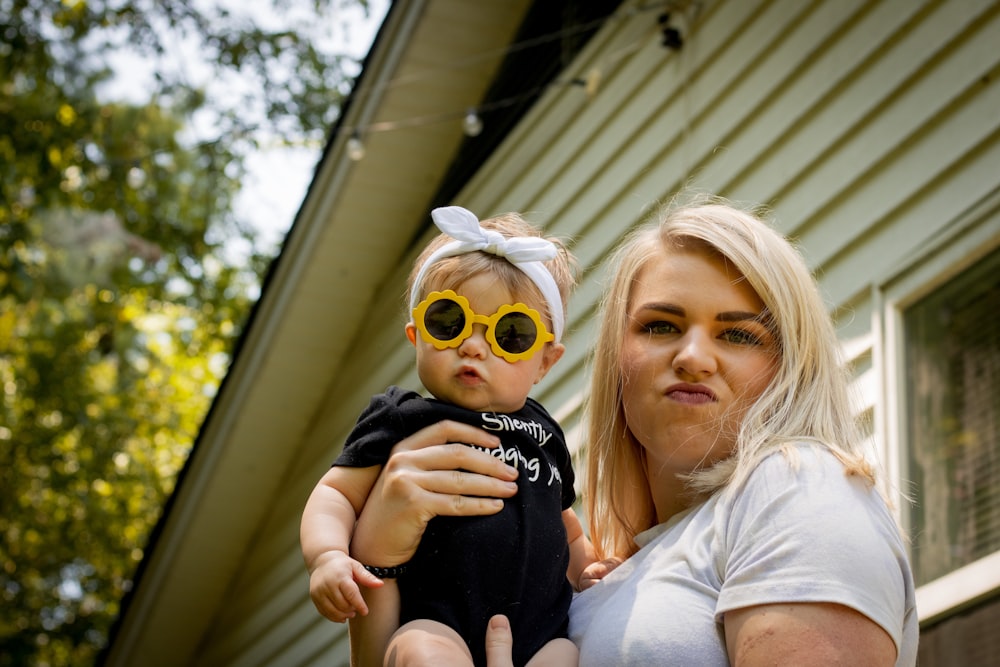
691 394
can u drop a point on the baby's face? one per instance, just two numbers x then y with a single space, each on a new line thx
471 375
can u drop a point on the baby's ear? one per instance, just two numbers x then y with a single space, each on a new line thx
411 333
551 353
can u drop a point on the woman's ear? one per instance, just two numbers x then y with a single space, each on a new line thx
411 333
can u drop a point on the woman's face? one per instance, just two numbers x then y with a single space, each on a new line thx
697 352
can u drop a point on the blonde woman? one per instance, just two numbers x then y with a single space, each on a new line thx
753 525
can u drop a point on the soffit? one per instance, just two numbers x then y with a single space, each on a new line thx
430 62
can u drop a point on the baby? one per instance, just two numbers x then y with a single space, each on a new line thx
487 305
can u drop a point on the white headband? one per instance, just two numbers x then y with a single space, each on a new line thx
525 252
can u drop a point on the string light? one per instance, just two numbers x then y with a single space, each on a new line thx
472 124
590 83
355 147
471 118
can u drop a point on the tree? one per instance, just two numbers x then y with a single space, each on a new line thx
121 294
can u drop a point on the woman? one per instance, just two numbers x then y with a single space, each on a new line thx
750 520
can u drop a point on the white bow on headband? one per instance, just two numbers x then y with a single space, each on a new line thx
525 252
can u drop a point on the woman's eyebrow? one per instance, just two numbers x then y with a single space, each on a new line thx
763 318
670 308
740 316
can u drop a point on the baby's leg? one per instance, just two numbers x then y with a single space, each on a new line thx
427 643
556 653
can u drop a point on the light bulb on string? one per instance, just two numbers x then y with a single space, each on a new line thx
472 124
355 147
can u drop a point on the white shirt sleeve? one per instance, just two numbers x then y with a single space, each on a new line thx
815 534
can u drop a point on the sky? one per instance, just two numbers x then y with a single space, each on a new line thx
278 177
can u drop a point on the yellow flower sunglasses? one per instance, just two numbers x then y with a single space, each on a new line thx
515 332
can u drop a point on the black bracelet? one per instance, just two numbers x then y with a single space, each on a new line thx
387 572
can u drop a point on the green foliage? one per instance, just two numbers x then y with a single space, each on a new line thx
120 293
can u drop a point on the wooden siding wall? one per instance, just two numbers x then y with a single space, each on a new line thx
871 127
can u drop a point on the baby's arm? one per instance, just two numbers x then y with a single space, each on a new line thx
584 568
325 536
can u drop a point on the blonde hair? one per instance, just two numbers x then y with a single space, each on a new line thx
455 270
807 400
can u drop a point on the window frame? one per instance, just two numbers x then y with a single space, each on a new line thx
968 239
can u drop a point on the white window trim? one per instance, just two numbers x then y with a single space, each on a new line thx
970 237
959 589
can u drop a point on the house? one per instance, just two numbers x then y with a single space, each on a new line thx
872 127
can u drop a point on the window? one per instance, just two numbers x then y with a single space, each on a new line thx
952 392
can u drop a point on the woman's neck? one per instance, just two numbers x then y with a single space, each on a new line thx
670 493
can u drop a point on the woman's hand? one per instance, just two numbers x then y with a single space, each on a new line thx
431 473
499 643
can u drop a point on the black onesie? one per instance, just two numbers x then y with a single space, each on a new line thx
467 569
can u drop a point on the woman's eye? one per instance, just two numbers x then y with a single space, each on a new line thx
741 337
659 327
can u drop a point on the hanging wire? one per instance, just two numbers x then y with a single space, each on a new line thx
590 82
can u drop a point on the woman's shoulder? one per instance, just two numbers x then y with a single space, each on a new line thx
812 487
808 519
801 458
806 478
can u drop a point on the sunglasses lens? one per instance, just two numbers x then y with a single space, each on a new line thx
444 319
515 333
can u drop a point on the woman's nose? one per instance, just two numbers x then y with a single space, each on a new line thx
695 356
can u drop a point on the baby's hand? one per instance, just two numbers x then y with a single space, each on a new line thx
333 586
597 571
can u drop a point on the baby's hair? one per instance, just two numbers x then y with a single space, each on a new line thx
452 271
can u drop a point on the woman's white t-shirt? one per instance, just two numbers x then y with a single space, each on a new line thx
794 533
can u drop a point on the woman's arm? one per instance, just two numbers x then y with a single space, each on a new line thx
805 634
427 477
370 634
